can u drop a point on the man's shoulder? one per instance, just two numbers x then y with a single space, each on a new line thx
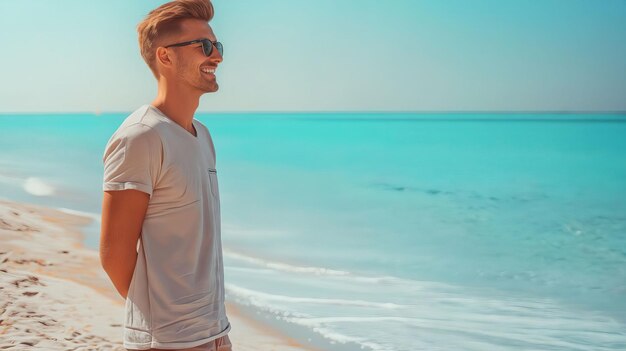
141 124
142 121
145 116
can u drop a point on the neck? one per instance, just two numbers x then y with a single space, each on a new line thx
177 102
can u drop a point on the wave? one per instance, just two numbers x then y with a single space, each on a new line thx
283 266
383 313
94 216
38 187
471 322
262 299
267 266
32 185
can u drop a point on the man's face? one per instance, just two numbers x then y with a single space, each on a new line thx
190 63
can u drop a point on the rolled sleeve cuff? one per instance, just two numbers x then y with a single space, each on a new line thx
127 185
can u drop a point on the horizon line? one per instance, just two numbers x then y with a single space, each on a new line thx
528 112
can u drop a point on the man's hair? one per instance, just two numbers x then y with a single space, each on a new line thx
164 20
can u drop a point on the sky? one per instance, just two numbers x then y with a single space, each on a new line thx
328 55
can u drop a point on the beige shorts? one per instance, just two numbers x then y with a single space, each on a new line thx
219 344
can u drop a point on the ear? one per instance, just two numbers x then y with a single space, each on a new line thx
163 57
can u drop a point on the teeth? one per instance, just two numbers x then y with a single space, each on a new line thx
208 70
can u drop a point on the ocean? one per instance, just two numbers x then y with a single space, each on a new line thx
374 231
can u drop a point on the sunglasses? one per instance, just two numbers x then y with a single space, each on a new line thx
207 46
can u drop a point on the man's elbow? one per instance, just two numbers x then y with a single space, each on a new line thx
113 263
119 267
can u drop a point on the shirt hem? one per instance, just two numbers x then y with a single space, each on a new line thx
173 345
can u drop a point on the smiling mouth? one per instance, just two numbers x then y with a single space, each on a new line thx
208 70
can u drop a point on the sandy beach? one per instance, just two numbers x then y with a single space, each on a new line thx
55 295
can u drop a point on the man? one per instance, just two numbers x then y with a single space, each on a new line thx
160 241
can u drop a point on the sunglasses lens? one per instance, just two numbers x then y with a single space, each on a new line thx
207 47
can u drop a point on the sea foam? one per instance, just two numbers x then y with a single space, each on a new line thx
283 266
38 187
94 216
391 313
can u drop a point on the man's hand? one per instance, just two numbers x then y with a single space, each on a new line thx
123 212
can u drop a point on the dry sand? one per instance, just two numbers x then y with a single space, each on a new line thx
54 295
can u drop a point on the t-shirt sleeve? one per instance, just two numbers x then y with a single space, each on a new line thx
132 159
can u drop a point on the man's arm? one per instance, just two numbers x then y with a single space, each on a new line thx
123 213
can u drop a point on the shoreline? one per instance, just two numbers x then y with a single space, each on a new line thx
56 295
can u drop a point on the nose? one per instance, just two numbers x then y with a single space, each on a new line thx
216 56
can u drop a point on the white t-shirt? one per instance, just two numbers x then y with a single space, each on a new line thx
176 295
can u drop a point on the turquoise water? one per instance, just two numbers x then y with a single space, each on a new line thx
392 232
